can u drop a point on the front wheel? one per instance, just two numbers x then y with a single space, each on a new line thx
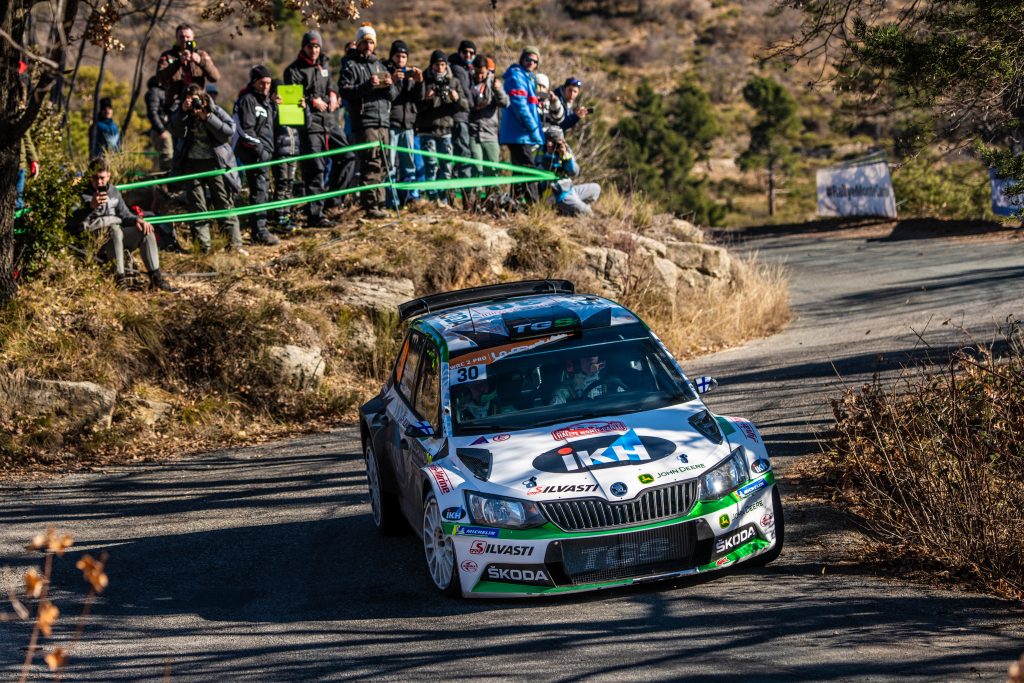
780 533
439 549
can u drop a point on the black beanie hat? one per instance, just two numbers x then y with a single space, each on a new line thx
438 56
467 44
257 72
399 46
106 102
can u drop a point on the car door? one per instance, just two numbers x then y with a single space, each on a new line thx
423 449
399 413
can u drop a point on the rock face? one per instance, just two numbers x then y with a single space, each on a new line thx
302 368
78 406
146 412
495 243
377 293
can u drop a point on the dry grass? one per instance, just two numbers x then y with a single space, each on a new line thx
932 465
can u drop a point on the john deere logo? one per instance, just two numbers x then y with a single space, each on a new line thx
646 478
723 521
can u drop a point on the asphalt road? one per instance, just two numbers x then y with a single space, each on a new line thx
260 563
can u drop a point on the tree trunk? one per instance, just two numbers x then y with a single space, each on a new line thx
140 62
771 187
97 94
9 159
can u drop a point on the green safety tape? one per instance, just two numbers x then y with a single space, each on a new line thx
498 165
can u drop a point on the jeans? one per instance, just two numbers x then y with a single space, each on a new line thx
485 151
405 169
461 148
433 168
579 199
19 202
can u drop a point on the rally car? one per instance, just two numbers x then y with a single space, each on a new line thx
542 441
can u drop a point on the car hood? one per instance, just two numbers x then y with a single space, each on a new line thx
614 457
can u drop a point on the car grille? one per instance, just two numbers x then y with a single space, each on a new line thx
652 505
632 554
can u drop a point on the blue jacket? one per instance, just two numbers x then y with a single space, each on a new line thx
565 167
520 124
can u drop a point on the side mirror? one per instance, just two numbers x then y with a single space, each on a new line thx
704 384
416 431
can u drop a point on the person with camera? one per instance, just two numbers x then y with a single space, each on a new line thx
102 208
368 89
568 94
460 64
183 65
255 112
549 106
440 97
311 71
487 100
521 130
557 157
402 129
204 131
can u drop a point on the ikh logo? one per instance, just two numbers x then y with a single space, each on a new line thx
601 452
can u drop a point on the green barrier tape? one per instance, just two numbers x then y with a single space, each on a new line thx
451 184
167 180
499 165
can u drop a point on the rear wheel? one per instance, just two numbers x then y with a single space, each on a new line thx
387 516
439 549
780 533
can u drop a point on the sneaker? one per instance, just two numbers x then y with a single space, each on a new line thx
121 282
265 238
377 213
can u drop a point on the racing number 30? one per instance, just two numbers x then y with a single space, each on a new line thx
470 374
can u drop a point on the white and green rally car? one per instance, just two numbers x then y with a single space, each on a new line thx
543 441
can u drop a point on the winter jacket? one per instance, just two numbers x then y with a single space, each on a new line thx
487 100
27 151
552 113
565 167
368 106
216 131
104 137
175 76
84 217
436 117
521 123
156 105
405 104
255 115
315 79
571 117
464 73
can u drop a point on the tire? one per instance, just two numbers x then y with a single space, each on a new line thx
438 550
780 533
384 510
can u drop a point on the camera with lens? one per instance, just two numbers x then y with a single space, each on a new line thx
443 89
191 46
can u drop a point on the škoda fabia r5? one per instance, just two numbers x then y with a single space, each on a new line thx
542 441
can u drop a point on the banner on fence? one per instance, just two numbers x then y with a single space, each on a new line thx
1004 204
857 189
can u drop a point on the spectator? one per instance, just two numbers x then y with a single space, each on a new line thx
343 169
156 112
403 116
440 97
461 66
557 157
368 89
29 164
204 131
103 208
487 100
286 144
567 94
255 112
183 65
315 78
104 135
549 106
521 129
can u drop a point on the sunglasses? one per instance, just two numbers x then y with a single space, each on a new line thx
468 52
531 60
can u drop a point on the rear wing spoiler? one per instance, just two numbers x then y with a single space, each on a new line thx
475 295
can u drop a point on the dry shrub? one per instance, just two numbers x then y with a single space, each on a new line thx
540 248
934 464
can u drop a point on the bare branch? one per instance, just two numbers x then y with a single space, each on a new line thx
28 53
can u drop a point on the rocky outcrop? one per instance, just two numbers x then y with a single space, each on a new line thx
77 406
377 293
146 412
495 243
297 366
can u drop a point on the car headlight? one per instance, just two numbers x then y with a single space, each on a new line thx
504 512
725 477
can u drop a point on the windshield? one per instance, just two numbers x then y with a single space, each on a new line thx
562 378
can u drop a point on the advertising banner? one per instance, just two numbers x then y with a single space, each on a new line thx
857 189
1002 203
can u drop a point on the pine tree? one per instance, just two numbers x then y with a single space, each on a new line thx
771 132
